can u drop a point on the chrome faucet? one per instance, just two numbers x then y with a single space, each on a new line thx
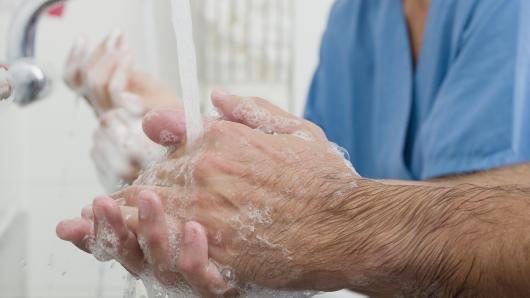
29 82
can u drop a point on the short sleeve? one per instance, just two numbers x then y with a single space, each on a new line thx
480 118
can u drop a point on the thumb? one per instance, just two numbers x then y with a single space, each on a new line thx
165 127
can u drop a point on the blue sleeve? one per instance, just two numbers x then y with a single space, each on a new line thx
480 118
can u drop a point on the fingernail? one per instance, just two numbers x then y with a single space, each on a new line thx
145 212
189 234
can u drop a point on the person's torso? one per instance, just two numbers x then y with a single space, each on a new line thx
367 94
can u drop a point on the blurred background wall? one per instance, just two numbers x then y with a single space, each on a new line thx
45 170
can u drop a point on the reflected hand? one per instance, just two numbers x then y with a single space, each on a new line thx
121 149
107 79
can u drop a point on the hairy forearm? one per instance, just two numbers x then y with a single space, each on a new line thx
509 175
439 241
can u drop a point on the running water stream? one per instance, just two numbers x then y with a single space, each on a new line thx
187 60
182 23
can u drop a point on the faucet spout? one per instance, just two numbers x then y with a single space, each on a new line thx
23 28
30 82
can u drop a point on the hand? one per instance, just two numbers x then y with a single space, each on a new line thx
120 149
255 186
105 230
120 96
107 79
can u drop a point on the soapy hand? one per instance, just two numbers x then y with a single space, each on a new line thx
246 194
120 96
253 182
107 79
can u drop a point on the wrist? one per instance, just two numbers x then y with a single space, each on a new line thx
417 240
427 240
347 250
386 235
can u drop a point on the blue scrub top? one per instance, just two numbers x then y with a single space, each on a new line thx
465 107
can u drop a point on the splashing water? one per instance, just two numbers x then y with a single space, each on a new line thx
182 24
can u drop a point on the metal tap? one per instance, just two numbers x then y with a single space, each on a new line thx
29 81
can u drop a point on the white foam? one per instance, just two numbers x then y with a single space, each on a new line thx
167 137
130 287
336 149
256 116
304 135
104 246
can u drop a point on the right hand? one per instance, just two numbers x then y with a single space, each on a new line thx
120 96
107 80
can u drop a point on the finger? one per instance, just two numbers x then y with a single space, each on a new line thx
119 82
154 236
99 68
74 64
170 197
254 112
78 231
127 250
166 127
260 114
130 215
97 79
107 45
195 265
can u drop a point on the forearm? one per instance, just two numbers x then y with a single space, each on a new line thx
425 240
510 175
